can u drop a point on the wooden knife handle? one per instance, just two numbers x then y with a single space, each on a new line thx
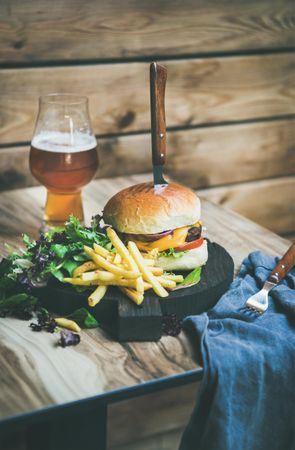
158 76
284 266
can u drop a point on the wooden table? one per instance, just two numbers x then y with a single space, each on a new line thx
58 392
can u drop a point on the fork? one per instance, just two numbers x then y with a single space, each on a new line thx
259 302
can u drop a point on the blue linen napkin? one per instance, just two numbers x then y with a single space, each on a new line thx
247 396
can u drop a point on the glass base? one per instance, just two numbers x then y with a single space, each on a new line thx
59 207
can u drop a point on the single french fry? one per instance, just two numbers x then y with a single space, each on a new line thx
97 295
88 265
176 278
116 281
102 262
117 259
101 275
126 282
67 323
101 251
80 282
146 273
125 255
139 285
156 270
122 265
169 284
135 296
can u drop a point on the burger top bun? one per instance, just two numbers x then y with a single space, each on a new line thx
146 209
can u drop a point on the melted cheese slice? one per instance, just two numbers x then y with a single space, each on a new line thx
173 240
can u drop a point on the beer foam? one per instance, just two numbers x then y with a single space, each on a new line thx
56 141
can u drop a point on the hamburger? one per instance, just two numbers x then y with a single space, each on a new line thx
161 218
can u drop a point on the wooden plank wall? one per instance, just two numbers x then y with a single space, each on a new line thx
230 93
230 114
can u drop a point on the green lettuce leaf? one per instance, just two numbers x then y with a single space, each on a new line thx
70 265
60 250
82 257
58 274
171 252
83 318
85 235
193 277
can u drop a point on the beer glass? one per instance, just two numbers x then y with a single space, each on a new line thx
63 154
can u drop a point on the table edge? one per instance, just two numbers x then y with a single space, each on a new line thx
79 406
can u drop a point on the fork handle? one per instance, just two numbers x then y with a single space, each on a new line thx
284 266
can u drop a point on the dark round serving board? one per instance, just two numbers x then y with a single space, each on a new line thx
126 321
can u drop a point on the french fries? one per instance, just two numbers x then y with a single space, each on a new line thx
97 295
101 250
176 278
117 259
101 275
88 265
79 282
131 270
125 255
102 262
169 284
146 273
122 250
147 286
117 281
133 295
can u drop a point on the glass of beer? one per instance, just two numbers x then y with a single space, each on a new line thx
63 154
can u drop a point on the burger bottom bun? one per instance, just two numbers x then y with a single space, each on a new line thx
190 260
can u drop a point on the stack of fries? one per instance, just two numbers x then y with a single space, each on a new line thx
129 269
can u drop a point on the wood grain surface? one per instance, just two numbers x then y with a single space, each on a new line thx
244 152
232 154
35 31
36 373
222 156
270 203
156 413
198 91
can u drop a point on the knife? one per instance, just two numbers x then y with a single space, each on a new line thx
158 76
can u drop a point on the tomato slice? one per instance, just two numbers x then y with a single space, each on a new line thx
189 245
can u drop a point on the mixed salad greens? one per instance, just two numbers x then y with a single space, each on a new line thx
56 254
